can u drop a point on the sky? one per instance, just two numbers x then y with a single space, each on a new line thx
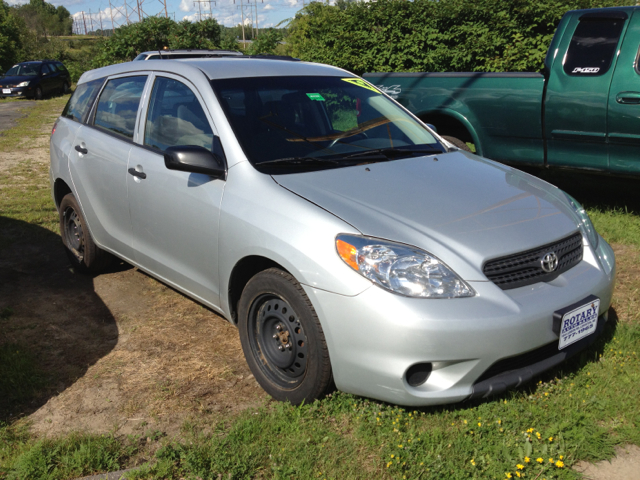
226 12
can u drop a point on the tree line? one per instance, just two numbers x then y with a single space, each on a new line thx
360 36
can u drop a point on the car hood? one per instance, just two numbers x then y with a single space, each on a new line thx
15 80
462 208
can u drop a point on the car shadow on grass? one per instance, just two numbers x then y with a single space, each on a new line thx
53 326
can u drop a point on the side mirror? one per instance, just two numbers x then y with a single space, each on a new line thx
193 159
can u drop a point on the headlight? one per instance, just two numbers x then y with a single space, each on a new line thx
585 222
401 269
23 84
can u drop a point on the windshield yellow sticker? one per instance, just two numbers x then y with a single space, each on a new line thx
361 83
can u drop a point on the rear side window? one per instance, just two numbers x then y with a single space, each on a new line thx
118 105
176 117
593 46
79 104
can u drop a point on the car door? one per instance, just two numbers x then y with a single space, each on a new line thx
98 162
575 110
48 80
175 214
624 104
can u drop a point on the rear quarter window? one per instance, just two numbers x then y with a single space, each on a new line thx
593 46
79 104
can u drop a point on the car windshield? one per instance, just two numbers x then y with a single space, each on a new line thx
319 122
24 70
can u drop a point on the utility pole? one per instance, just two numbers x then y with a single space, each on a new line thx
244 44
101 27
85 23
199 2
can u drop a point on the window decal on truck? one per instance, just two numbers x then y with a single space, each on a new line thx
392 90
586 70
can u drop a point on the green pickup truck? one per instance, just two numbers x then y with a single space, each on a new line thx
582 111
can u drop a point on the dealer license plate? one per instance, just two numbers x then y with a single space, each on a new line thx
6 90
579 323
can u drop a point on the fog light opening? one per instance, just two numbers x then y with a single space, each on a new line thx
418 374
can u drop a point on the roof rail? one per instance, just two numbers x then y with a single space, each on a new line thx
274 57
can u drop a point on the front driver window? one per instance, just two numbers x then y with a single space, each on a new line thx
175 117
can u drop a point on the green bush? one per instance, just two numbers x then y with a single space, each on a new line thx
423 35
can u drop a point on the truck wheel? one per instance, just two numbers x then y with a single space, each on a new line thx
282 338
457 142
83 253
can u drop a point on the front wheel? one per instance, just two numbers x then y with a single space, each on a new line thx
282 338
83 253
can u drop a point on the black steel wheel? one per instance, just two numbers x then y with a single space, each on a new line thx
282 338
83 253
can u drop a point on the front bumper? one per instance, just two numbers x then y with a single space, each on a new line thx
374 337
17 92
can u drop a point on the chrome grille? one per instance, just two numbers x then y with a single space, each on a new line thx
525 268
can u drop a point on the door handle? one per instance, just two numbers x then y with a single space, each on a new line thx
631 98
83 151
135 173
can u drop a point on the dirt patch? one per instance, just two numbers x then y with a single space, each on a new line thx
625 465
11 111
155 358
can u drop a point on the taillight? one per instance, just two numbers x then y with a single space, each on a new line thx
54 127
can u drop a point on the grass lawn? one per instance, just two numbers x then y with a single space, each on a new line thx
577 412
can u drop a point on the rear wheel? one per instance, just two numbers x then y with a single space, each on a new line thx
65 87
83 253
282 338
457 142
37 94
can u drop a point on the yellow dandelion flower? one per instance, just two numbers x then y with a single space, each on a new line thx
389 464
392 455
507 474
551 460
499 422
465 422
539 460
559 464
473 462
551 439
399 446
479 424
546 394
527 459
561 457
529 430
505 402
502 430
518 474
421 463
520 466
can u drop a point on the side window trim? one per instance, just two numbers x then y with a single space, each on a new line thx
92 114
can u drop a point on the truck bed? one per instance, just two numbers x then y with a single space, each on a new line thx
500 112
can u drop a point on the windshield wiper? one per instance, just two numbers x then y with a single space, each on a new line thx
306 161
393 152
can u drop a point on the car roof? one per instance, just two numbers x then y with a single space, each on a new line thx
222 67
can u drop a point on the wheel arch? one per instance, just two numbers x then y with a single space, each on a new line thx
243 271
60 189
453 124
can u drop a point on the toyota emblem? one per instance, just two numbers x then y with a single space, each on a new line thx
549 262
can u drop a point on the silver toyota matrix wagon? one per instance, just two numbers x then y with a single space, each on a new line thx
349 243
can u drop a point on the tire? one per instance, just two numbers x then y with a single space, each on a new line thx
65 87
457 142
84 254
37 94
294 366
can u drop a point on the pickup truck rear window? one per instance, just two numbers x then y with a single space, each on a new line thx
593 46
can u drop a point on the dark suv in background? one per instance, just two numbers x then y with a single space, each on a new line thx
35 79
